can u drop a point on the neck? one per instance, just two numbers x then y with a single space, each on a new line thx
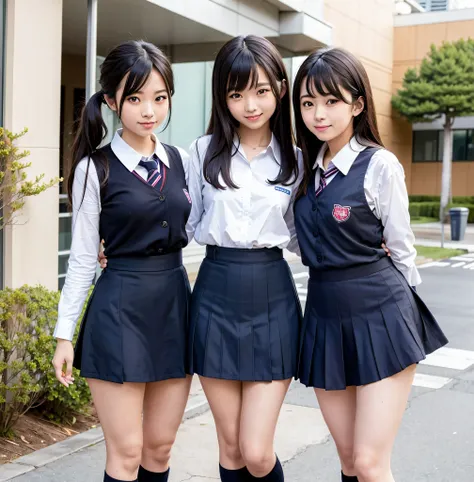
255 137
336 144
143 145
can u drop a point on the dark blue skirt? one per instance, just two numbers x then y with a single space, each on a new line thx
135 325
245 316
361 325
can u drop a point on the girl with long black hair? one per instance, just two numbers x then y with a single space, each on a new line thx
365 327
132 193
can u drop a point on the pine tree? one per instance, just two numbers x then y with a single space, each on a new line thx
443 87
15 188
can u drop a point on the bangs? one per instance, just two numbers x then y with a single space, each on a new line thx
322 77
137 76
243 72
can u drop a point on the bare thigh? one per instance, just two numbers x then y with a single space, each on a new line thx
225 400
119 407
339 411
163 410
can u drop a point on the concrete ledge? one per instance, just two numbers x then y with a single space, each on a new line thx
196 406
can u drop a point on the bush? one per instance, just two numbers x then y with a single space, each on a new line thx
431 209
456 200
27 319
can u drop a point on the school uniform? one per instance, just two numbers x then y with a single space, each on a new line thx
363 320
245 314
134 327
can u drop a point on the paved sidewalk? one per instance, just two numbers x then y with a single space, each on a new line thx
429 234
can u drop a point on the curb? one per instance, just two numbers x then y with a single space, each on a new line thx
197 405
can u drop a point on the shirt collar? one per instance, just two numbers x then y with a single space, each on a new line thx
130 157
273 148
344 159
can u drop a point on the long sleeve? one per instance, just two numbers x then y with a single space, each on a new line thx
194 181
84 249
387 195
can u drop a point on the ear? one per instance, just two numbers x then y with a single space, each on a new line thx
283 88
358 106
111 102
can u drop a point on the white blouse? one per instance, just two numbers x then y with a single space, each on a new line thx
257 215
387 197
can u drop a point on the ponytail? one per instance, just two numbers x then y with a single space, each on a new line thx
90 134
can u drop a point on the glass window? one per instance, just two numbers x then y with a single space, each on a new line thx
459 145
470 145
425 146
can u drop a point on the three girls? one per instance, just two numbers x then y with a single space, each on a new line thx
245 314
365 328
132 193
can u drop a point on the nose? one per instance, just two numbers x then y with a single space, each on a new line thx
147 110
250 105
319 113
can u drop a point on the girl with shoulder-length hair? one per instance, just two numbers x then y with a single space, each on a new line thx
365 327
131 193
245 314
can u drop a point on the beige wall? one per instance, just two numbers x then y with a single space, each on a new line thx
32 87
411 45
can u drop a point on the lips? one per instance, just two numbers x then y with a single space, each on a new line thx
147 125
322 128
253 118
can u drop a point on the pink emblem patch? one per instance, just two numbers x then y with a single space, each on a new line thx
341 213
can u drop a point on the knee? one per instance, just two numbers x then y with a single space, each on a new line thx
229 446
127 455
346 454
368 466
158 450
259 460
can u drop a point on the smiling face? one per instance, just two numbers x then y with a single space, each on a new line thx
142 111
328 117
254 106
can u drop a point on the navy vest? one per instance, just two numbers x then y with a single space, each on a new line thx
140 220
337 229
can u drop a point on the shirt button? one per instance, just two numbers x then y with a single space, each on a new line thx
319 258
161 197
164 224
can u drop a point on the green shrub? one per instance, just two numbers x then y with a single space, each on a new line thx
431 209
456 199
27 319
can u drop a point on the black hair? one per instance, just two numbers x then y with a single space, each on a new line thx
327 71
234 69
135 58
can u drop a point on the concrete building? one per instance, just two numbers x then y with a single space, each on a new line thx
44 73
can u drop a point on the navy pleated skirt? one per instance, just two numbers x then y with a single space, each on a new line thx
245 316
361 325
135 325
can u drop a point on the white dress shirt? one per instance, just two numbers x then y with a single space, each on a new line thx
387 197
85 231
257 215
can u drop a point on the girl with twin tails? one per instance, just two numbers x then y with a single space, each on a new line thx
365 327
245 313
132 193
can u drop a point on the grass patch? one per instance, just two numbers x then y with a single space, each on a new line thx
438 253
422 220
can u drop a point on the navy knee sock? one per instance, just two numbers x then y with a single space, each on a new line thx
276 475
147 476
347 478
239 475
107 478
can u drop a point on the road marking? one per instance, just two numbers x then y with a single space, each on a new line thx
302 291
301 275
302 299
457 265
453 358
469 266
430 381
461 258
439 264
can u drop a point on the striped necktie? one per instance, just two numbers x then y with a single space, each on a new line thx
151 165
323 175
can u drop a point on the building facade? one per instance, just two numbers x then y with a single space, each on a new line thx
190 32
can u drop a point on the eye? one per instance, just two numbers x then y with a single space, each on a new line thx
161 98
263 91
235 95
134 99
332 101
307 103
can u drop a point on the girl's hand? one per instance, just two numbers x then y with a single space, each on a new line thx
64 355
385 249
101 258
